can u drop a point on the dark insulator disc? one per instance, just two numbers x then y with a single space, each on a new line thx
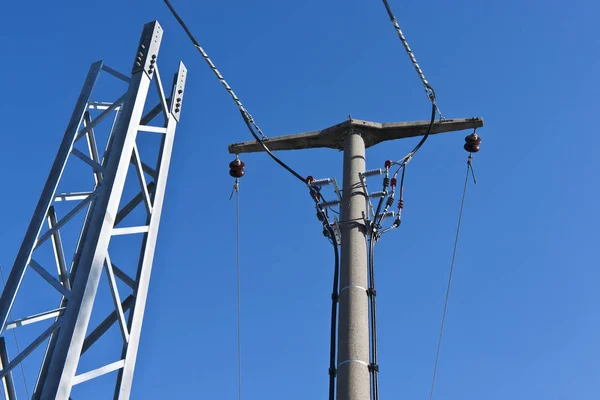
472 143
237 163
237 172
472 147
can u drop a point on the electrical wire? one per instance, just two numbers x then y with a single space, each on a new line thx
239 278
334 305
462 205
16 341
330 233
373 367
381 198
428 89
250 123
406 159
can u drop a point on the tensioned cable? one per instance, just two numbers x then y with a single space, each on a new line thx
413 59
428 88
252 126
236 189
462 205
16 341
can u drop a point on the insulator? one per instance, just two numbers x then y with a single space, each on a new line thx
326 232
393 182
471 147
320 216
390 201
388 164
237 163
386 182
400 204
309 180
377 194
473 138
321 182
472 143
388 214
373 172
237 172
236 168
315 195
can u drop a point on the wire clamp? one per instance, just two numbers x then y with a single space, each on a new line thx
373 367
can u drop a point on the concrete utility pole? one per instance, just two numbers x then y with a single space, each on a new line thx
353 137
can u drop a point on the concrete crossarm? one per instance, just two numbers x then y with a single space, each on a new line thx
372 132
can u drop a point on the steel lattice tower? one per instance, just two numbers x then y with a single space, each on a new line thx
104 212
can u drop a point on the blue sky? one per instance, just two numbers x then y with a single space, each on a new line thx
522 321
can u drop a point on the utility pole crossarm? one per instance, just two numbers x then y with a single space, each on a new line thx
373 133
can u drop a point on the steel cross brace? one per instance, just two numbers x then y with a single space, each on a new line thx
65 328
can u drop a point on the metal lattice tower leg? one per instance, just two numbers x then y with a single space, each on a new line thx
68 332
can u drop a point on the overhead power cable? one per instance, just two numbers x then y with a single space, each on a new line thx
428 88
250 123
236 189
462 205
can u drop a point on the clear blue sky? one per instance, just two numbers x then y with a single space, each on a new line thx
523 320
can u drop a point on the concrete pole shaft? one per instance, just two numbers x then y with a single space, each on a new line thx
353 381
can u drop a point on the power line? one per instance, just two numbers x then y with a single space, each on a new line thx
239 276
462 205
428 89
250 123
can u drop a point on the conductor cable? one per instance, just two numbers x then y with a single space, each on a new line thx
250 123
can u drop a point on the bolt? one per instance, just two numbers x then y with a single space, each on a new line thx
153 55
180 91
177 109
152 61
137 64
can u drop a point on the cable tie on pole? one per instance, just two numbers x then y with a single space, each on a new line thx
373 367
